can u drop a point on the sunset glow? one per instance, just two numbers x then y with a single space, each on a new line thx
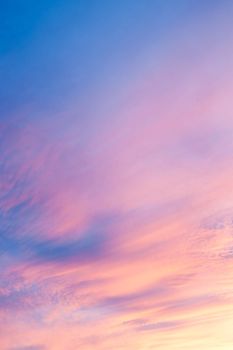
116 168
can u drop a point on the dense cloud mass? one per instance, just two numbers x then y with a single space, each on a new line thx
116 202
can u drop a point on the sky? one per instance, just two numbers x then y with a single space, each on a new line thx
116 167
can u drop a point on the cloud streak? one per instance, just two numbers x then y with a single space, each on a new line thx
116 177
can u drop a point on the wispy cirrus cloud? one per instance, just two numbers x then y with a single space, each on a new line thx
116 178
